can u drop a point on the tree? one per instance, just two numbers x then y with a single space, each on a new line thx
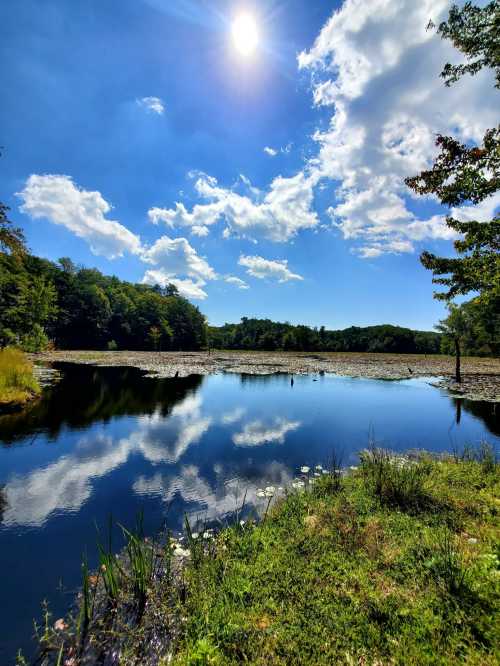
464 173
456 328
11 238
474 31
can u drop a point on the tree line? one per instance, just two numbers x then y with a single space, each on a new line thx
268 335
42 303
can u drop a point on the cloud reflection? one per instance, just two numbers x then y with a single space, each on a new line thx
257 432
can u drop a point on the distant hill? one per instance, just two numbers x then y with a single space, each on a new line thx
264 334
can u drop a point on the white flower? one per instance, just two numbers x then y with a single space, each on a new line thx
305 469
242 523
316 474
195 535
325 471
270 490
472 540
208 534
298 484
318 468
182 552
353 468
260 493
280 489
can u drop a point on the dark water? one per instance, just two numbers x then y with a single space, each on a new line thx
113 441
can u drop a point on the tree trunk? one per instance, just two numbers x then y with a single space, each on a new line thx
458 376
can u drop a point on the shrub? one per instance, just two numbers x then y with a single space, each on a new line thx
112 346
36 341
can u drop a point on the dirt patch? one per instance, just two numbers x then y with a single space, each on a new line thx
481 376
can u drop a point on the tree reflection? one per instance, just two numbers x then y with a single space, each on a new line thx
487 412
88 394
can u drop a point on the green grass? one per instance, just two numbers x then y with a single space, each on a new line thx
396 563
369 574
17 383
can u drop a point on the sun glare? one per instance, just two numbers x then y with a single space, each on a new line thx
245 34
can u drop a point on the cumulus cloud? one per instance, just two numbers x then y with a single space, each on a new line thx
277 215
261 268
238 282
377 67
152 104
58 199
178 263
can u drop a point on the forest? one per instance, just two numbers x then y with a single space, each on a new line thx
45 303
268 335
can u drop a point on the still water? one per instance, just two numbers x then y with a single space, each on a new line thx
111 441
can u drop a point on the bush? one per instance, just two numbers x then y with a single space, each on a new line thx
36 341
112 346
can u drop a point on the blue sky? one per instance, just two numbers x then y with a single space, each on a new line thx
139 140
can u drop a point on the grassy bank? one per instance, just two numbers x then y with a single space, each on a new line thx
394 563
17 384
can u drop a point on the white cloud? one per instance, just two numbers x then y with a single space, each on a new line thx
152 104
377 67
238 282
278 215
261 268
272 152
187 288
177 262
60 201
257 432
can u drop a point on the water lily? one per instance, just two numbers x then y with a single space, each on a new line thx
60 625
182 552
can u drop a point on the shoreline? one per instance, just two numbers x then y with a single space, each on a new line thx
481 376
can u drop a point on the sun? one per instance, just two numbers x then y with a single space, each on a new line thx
245 34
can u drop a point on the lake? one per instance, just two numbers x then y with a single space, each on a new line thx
112 441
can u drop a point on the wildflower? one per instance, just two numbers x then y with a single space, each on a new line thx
318 468
305 469
103 568
207 534
298 484
316 474
270 490
242 523
60 625
260 493
195 535
353 468
182 552
472 540
92 581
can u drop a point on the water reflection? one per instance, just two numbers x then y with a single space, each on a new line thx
111 440
86 395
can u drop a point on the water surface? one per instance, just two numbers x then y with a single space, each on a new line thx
112 441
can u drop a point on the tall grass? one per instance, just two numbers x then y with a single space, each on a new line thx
16 376
395 480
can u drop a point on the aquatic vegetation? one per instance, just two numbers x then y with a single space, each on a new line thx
332 575
17 383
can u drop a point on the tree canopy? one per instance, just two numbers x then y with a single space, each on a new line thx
80 308
464 173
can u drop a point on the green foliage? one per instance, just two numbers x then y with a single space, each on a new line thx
16 377
11 238
475 32
463 173
264 334
84 309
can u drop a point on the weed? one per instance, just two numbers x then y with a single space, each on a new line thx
16 377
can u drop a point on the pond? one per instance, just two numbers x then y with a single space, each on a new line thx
112 441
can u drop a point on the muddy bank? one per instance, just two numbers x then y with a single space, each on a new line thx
481 375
